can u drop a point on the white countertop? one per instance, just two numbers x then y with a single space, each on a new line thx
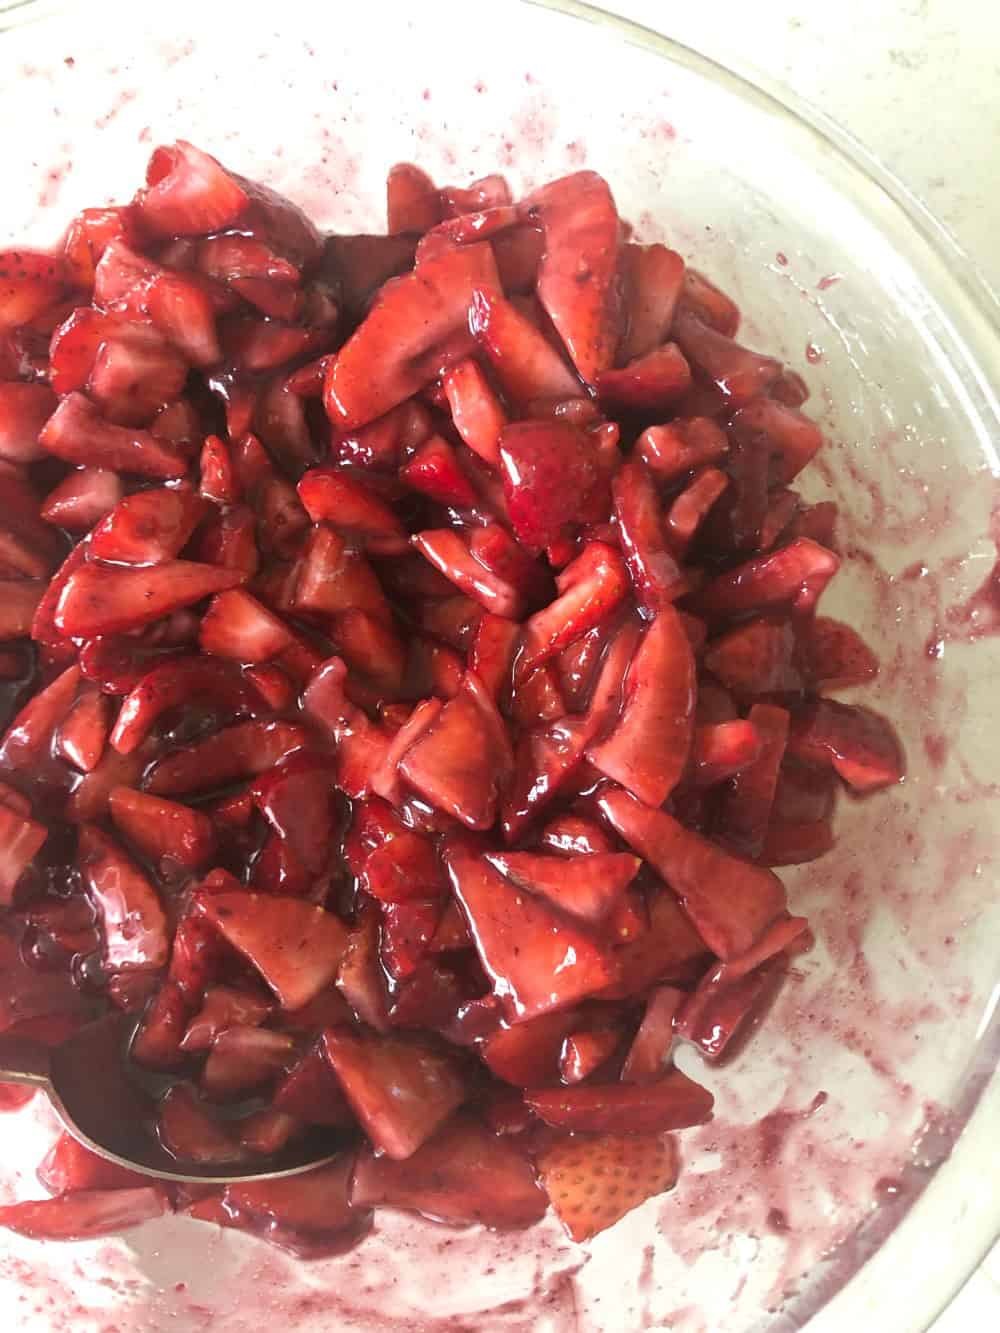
916 81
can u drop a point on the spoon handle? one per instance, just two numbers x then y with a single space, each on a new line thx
24 1061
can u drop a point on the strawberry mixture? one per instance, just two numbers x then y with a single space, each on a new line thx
413 676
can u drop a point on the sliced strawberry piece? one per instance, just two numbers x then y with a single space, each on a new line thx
296 947
434 471
461 762
243 1058
672 450
647 749
385 780
82 499
360 979
652 1044
721 1007
84 1214
649 384
592 1183
526 364
720 749
230 540
672 1102
30 282
34 728
308 1214
793 842
237 626
84 732
545 762
77 433
330 496
782 507
134 926
788 437
405 868
651 278
739 373
218 476
268 1131
412 200
400 1090
475 409
794 575
361 744
191 1134
173 683
89 235
362 264
135 375
188 193
148 528
311 1092
27 544
239 751
163 831
518 252
415 331
537 961
448 552
24 410
550 471
587 887
656 576
20 841
333 579
88 801
712 306
100 600
730 901
577 275
294 798
859 744
465 228
834 655
667 949
690 509
497 551
19 599
585 1051
758 657
464 1174
69 1167
224 1008
590 588
491 654
745 810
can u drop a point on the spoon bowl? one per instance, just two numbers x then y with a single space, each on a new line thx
88 1082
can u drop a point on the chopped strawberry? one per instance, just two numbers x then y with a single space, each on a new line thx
268 1131
673 1101
69 1166
590 588
690 509
721 1007
647 385
296 947
84 731
794 575
460 762
656 576
308 1214
448 552
667 949
24 410
745 810
407 931
464 1174
330 496
415 331
19 599
333 578
361 979
30 283
311 1092
651 1047
34 728
27 544
188 193
794 842
82 499
101 600
585 1051
475 409
77 433
190 1133
527 366
858 743
834 655
235 752
587 887
518 252
757 657
721 749
730 901
593 1182
550 471
574 835
647 749
434 470
711 305
243 1058
537 960
651 278
224 1008
577 275
179 681
131 916
88 801
20 841
83 1214
400 1090
148 528
738 372
412 200
163 831
237 626
790 439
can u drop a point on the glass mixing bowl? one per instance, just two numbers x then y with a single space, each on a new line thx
790 1209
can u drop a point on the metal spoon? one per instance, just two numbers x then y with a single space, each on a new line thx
87 1082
